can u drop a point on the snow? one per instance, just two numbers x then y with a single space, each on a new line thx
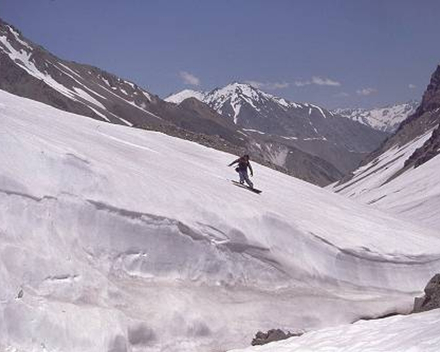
315 139
125 121
236 94
412 333
17 37
147 95
76 80
84 95
127 240
22 58
107 82
100 114
413 195
69 69
132 104
131 84
185 94
252 130
319 109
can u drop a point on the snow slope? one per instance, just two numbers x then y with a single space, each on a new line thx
412 333
119 239
413 195
386 119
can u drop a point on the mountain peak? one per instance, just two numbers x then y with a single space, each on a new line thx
177 98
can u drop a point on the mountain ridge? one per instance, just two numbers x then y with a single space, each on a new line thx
306 126
387 118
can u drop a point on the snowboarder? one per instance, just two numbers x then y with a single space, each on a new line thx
243 165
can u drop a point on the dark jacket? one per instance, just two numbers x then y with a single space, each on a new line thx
243 164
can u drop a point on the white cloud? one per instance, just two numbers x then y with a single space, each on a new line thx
189 78
302 83
318 81
366 91
325 82
412 86
342 95
268 85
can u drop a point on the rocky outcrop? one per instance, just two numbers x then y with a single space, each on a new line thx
426 118
262 338
430 149
431 300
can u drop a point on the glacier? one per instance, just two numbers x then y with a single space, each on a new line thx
119 239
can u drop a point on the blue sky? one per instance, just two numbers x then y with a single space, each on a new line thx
335 53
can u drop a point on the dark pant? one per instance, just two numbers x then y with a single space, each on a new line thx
244 177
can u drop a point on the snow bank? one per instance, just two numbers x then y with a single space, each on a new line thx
118 239
412 333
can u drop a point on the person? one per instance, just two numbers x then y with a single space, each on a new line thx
243 165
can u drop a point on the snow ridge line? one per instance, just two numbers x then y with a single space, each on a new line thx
24 195
369 255
148 218
258 253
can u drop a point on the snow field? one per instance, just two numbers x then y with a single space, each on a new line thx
412 333
128 240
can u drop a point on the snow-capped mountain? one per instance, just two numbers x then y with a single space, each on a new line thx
185 94
119 239
386 119
308 127
402 175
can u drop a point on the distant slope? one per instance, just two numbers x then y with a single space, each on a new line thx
305 126
386 119
115 238
402 175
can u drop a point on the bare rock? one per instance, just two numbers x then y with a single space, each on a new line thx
262 338
431 300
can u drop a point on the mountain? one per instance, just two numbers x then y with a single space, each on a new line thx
386 119
185 94
119 239
307 127
402 175
30 71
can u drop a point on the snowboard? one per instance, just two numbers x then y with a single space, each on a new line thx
257 191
